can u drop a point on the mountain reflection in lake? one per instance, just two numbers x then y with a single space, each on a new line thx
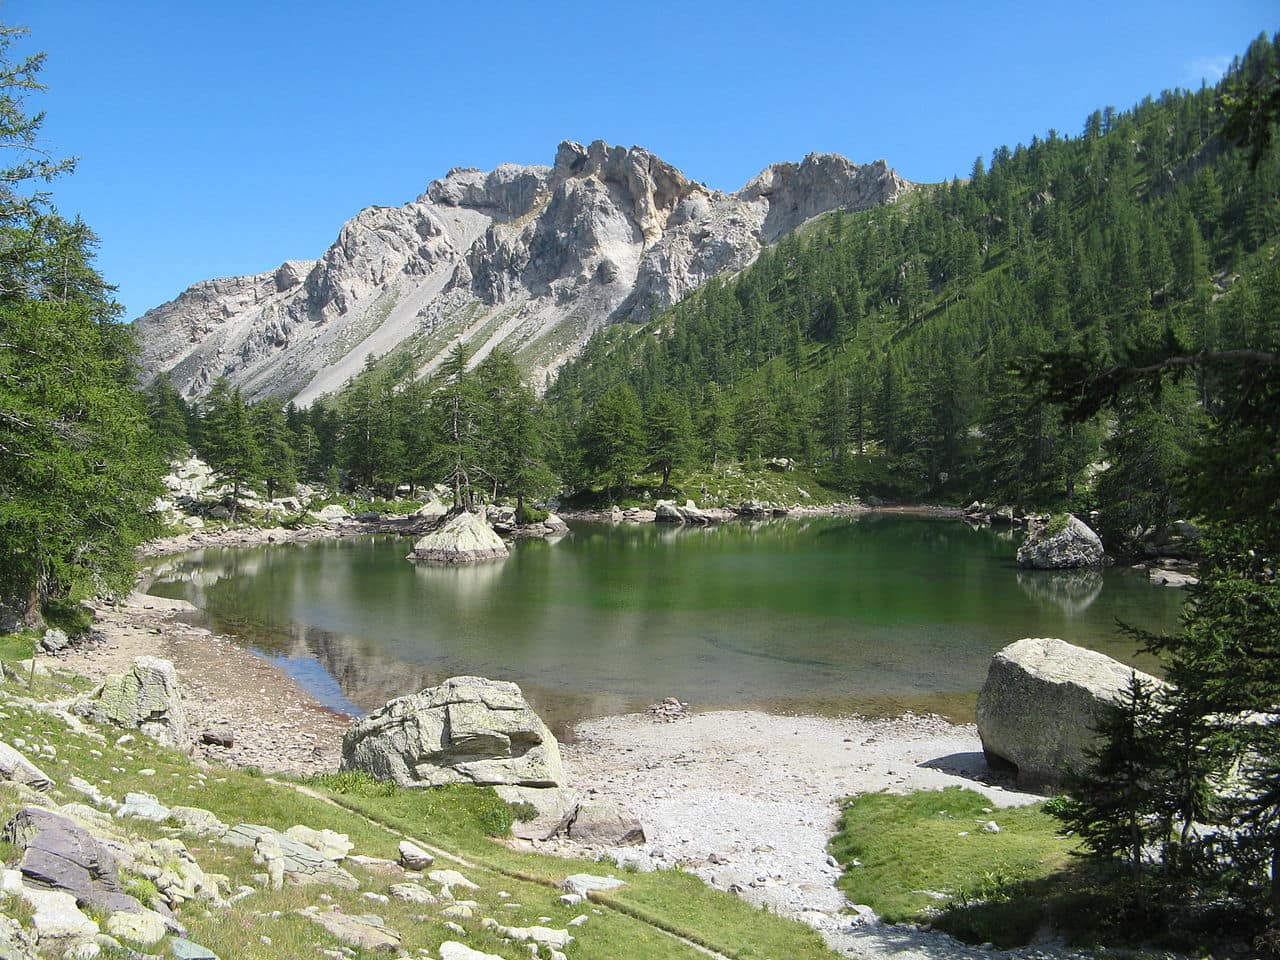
874 614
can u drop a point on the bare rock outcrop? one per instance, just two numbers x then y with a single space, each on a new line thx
466 730
1062 547
464 538
530 258
145 697
1041 704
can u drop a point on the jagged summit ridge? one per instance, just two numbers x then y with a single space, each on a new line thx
530 258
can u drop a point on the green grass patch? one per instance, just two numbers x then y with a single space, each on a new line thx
17 646
925 856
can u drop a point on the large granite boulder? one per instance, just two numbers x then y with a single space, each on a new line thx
1062 546
145 698
666 511
467 730
465 538
1041 704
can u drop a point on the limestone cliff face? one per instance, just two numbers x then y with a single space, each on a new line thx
532 259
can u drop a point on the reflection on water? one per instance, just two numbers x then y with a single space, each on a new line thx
1072 590
875 613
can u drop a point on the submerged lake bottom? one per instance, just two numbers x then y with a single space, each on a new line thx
875 614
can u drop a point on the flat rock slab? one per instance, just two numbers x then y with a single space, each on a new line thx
453 950
59 854
16 768
184 949
302 864
362 932
584 884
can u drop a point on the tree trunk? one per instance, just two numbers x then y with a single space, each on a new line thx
31 616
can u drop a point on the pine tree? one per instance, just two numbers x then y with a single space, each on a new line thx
279 470
230 442
613 437
78 464
669 434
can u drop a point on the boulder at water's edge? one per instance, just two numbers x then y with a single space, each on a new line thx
1041 704
467 730
1074 545
465 538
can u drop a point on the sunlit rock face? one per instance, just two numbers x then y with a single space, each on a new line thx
532 259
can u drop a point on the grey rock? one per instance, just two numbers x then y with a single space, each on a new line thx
549 253
143 806
602 822
467 730
143 926
1075 545
197 822
366 932
60 855
464 538
584 884
413 857
330 844
453 950
218 735
551 806
184 949
16 768
54 641
1041 704
300 864
146 697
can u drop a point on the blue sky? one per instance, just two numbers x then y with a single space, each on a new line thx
221 138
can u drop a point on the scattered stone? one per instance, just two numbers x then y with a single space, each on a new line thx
54 641
668 709
184 949
146 698
451 878
467 730
332 845
413 857
300 863
333 513
197 822
366 932
218 735
412 893
584 884
466 538
1041 704
991 827
544 936
452 950
551 805
16 768
144 926
603 822
143 806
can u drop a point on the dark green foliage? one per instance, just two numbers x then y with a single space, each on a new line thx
229 440
78 464
612 437
890 333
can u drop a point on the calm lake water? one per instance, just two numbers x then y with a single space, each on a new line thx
875 614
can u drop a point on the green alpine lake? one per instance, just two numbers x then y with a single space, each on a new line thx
876 614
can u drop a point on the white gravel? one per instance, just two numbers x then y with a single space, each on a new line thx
749 800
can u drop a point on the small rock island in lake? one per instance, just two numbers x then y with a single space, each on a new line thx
464 538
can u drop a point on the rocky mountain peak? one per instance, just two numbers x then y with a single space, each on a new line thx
529 258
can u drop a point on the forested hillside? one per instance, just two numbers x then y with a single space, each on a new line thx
879 346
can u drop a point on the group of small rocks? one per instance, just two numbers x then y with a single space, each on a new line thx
74 855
